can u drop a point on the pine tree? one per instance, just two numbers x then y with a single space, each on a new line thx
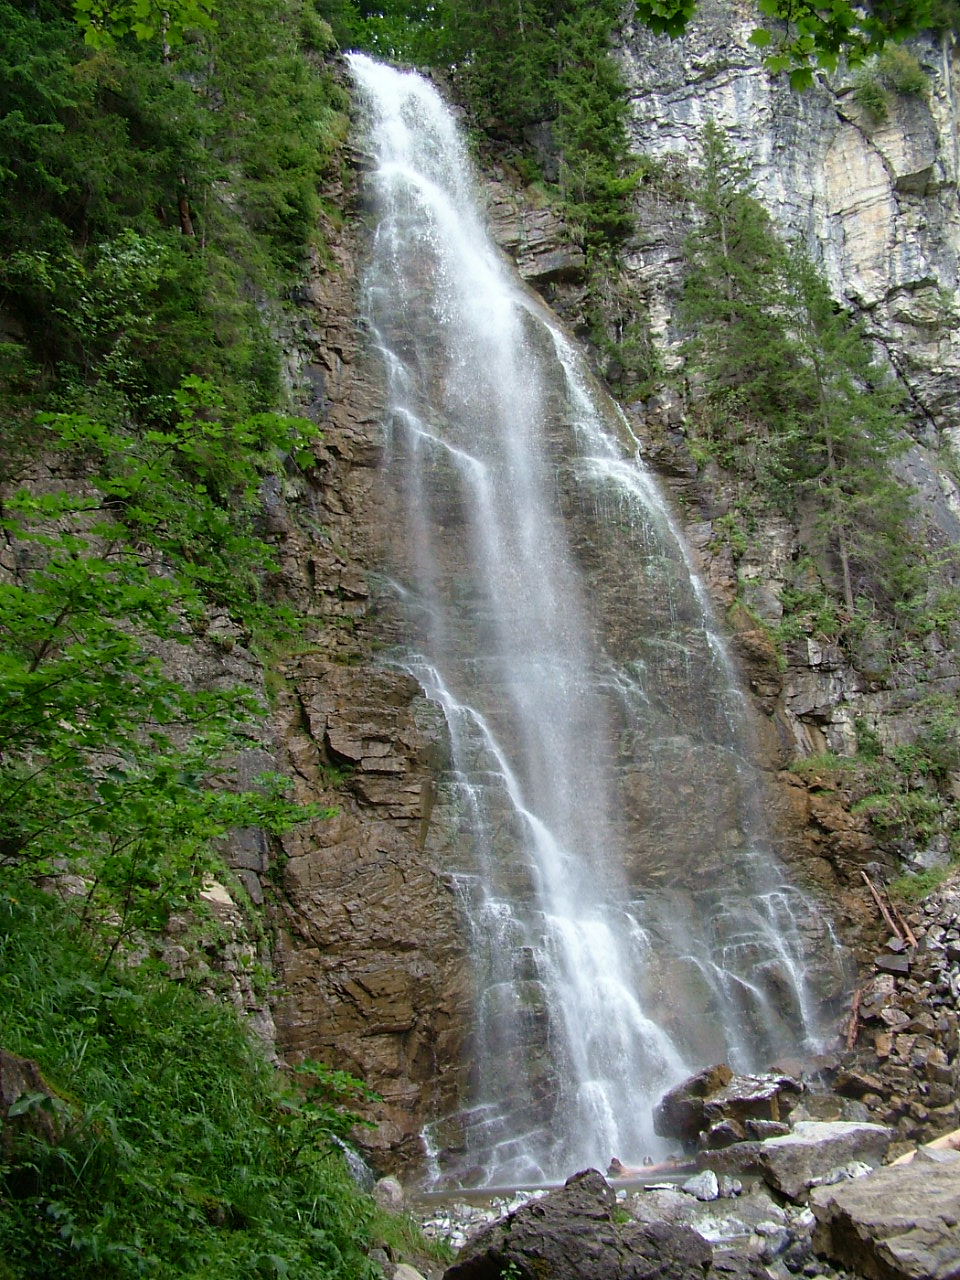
739 351
853 430
786 390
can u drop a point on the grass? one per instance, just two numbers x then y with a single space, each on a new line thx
184 1153
916 887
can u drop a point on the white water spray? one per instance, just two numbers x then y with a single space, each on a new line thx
614 950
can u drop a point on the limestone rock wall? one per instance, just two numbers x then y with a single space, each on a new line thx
874 202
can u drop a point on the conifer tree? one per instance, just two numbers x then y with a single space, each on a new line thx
853 430
787 392
739 350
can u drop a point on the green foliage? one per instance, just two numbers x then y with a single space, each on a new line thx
620 330
511 1271
800 35
597 179
935 751
212 156
818 33
853 430
825 763
944 16
916 887
870 93
869 746
159 176
905 790
902 71
808 611
729 531
104 22
895 71
933 608
732 288
183 1153
915 815
190 492
112 770
153 191
127 319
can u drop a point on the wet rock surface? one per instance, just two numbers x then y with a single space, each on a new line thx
574 1233
717 1108
370 950
899 1222
360 892
680 1112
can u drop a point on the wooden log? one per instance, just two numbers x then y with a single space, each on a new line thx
894 927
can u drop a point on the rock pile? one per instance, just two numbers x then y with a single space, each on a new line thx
458 1221
906 1066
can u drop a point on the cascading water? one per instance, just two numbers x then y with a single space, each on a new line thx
600 809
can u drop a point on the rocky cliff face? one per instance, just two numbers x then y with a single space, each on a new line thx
367 950
875 202
371 951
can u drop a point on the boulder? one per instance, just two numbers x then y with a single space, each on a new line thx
571 1234
761 1097
703 1185
388 1194
796 1162
679 1113
898 1223
763 1129
740 1160
28 1104
727 1132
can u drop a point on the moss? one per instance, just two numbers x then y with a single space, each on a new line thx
916 887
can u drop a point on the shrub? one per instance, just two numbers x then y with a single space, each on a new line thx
870 93
184 1153
902 71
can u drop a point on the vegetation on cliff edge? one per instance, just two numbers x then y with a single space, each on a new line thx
786 392
163 1144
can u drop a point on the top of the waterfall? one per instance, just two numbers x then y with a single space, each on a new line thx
413 127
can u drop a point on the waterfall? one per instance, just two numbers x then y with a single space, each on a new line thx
598 812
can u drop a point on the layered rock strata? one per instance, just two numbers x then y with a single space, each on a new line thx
369 950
